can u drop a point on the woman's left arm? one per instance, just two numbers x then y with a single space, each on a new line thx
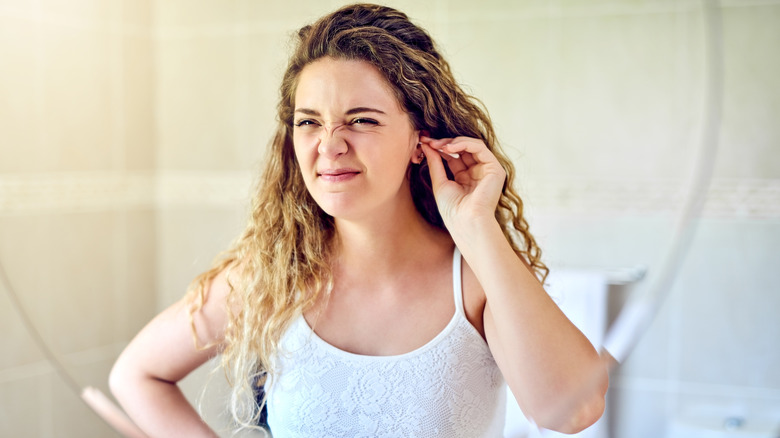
556 375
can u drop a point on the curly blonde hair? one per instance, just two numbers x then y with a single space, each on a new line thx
280 265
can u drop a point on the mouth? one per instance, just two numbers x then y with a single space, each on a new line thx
338 175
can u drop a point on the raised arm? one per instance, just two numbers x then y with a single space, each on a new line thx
144 378
552 369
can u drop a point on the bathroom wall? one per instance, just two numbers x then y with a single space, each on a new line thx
77 217
601 105
132 132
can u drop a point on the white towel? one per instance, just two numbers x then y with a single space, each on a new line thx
582 296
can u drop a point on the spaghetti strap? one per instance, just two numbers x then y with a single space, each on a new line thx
457 281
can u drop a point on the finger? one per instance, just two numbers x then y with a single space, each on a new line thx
438 144
468 159
449 155
435 143
474 147
454 161
435 166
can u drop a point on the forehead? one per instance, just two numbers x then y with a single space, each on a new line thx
343 84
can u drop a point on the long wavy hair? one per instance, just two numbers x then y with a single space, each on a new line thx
280 265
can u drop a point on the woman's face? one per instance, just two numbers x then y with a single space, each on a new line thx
352 138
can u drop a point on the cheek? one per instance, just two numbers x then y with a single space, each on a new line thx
304 147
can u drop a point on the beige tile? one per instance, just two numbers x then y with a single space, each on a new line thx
83 12
70 415
464 10
81 281
262 60
136 305
595 96
184 13
89 369
63 269
16 342
189 238
618 95
22 252
77 114
15 8
19 115
509 68
22 413
137 14
197 103
138 97
281 14
751 107
624 7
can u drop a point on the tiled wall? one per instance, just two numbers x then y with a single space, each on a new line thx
132 131
77 217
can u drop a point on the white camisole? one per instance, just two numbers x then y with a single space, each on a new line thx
450 387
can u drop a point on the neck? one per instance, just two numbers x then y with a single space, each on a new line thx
384 245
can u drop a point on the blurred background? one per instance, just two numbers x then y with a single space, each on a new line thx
131 132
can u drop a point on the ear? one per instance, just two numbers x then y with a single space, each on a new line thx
417 154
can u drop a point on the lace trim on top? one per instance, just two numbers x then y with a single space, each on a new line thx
449 387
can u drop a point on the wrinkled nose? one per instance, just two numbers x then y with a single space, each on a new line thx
332 145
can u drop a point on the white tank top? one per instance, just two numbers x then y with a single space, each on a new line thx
449 387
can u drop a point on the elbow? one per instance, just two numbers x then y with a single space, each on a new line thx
582 411
122 379
116 380
586 415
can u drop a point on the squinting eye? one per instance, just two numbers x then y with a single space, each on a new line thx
305 122
363 121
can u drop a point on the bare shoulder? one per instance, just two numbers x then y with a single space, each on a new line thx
474 299
209 313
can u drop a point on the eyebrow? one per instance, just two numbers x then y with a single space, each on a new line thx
353 111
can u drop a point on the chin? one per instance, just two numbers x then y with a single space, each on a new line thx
338 209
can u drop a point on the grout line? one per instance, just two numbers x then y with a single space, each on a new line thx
728 198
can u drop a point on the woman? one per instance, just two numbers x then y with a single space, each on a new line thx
348 290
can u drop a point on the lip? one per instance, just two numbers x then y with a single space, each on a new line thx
338 175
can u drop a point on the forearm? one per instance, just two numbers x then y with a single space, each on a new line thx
551 367
158 407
